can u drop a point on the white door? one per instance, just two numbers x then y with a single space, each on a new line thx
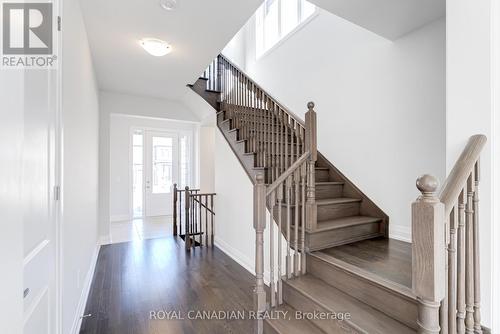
38 180
161 171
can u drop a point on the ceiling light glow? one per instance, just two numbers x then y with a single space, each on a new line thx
168 4
155 47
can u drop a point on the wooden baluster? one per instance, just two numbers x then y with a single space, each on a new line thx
477 272
266 129
284 142
206 220
180 212
292 137
461 264
212 228
311 146
443 310
280 255
254 125
452 272
428 256
303 173
296 177
174 210
469 257
200 224
288 218
187 237
272 286
287 142
259 224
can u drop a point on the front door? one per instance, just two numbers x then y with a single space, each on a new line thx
161 171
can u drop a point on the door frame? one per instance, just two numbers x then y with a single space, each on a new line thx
188 132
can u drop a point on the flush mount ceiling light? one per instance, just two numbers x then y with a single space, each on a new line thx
155 47
168 4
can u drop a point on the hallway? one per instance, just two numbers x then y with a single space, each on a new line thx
135 278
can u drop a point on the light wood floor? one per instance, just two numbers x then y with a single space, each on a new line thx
134 278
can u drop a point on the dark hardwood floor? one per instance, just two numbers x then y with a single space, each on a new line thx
135 278
387 258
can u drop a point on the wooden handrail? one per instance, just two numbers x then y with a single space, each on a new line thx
276 101
458 176
282 178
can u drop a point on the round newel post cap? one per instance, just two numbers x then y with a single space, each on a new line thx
310 105
427 185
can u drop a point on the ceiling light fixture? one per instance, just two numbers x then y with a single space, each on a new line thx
168 4
155 47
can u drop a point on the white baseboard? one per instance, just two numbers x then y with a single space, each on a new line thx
119 218
77 322
398 232
236 255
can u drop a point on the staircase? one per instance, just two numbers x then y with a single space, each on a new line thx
330 255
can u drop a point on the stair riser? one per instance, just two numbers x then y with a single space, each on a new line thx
341 236
325 212
392 303
328 191
334 211
300 302
322 175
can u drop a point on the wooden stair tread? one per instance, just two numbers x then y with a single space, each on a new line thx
344 222
291 325
387 258
326 183
357 271
330 201
363 317
339 200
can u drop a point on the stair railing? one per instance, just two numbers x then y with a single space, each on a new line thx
193 217
274 134
292 206
286 148
445 248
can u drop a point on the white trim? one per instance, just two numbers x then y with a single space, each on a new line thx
77 323
398 232
119 218
236 255
495 157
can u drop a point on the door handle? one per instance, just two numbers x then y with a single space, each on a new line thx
26 292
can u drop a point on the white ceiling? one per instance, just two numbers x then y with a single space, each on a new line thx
388 18
197 30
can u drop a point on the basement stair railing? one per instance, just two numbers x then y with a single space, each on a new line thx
285 149
193 217
445 248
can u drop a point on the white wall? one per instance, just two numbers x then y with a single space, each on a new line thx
469 111
120 201
380 104
11 241
80 164
207 159
234 232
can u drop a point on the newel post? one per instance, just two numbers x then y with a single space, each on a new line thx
259 224
311 146
428 254
187 231
174 209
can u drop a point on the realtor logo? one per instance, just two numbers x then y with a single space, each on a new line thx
27 35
